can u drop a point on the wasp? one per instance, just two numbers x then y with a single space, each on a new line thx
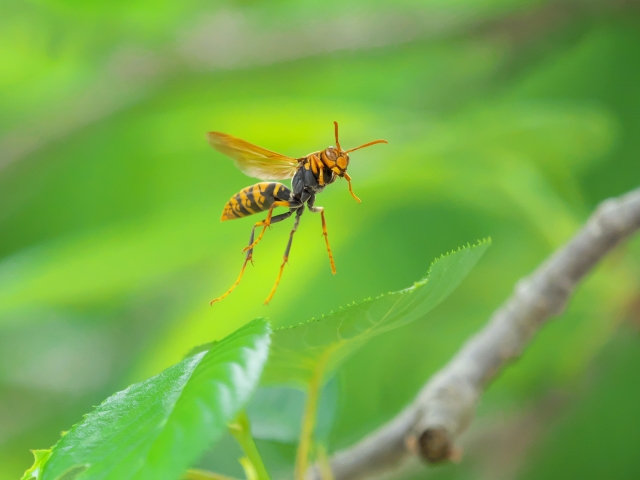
309 176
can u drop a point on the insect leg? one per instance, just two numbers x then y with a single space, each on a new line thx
321 172
319 169
276 219
315 209
348 178
267 221
285 258
249 256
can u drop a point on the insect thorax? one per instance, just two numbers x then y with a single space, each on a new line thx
306 179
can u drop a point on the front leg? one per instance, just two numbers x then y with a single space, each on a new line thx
348 179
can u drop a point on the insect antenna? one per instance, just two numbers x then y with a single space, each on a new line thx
357 148
365 145
337 141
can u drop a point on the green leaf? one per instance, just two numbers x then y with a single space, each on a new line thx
157 428
41 457
318 347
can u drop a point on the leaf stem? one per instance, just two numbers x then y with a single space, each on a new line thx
241 431
309 419
324 464
196 474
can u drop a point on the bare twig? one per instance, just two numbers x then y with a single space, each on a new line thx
446 405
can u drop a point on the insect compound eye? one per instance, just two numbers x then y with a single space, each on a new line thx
331 154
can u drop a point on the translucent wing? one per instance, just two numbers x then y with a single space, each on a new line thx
253 160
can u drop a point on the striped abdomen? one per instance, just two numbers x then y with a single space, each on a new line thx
254 199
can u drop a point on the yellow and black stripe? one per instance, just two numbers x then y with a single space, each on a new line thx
254 199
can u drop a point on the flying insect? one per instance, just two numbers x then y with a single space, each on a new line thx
309 176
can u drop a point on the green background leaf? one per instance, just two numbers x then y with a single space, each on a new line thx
157 428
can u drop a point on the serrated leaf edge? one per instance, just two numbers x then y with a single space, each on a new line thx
419 283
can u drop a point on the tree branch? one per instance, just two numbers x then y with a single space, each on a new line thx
446 404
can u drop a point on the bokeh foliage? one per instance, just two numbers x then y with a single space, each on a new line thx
508 118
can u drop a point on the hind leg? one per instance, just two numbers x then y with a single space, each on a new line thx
285 258
249 255
282 198
269 220
278 218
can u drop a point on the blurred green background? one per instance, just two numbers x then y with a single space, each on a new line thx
505 118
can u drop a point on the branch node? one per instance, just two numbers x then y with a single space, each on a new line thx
435 445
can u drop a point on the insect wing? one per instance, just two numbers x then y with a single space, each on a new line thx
253 160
